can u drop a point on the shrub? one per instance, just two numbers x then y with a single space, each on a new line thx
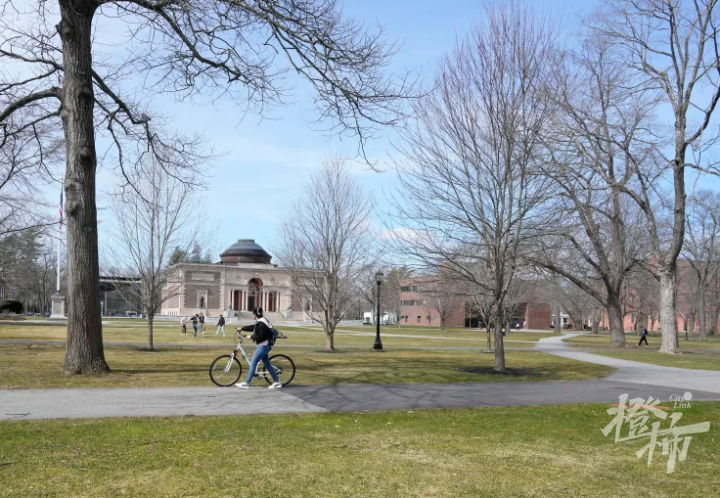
8 306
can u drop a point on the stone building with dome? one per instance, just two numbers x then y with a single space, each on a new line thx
245 277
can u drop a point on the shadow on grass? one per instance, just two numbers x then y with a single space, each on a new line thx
509 372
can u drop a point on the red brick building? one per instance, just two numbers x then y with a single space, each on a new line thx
417 307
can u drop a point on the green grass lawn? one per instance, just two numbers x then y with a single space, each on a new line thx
547 451
40 366
697 359
135 331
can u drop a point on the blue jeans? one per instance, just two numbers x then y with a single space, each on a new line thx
261 353
195 329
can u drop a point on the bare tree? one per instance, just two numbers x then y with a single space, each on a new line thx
597 140
152 222
673 48
439 292
53 73
702 246
325 243
470 192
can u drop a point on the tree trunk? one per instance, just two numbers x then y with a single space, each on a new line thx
615 317
151 319
489 342
85 353
442 324
701 314
713 319
499 345
329 339
595 322
668 296
557 320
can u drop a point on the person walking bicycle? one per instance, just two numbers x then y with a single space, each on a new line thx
261 334
220 326
643 337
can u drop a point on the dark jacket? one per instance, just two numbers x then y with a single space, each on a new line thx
221 322
261 332
194 320
643 332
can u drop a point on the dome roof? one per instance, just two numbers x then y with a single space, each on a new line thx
245 251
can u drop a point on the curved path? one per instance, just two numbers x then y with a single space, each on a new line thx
635 371
633 378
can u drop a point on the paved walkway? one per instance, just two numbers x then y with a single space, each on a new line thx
633 378
201 401
635 371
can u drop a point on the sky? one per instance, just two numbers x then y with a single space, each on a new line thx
262 164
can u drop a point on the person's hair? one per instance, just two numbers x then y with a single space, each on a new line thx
258 312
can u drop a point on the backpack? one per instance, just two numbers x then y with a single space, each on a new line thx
274 333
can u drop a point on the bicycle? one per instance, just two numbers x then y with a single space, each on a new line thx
226 369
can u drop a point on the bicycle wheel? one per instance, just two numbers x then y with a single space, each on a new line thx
284 367
225 370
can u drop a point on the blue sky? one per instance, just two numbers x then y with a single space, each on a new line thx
266 162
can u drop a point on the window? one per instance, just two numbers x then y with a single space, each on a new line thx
419 318
405 288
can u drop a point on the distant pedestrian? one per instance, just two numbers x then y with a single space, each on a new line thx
643 337
195 325
221 326
183 323
202 323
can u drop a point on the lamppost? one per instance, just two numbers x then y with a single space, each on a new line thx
378 343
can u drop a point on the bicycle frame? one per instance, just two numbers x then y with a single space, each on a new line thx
247 359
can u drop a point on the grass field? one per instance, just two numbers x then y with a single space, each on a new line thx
135 331
40 366
698 359
547 451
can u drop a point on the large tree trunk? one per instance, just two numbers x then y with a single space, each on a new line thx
329 338
668 296
701 313
713 319
499 345
615 317
151 319
85 353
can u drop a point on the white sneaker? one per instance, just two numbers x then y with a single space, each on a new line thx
242 385
276 385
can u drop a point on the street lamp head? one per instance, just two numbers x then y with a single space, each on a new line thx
379 277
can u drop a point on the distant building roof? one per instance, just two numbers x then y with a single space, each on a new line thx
245 251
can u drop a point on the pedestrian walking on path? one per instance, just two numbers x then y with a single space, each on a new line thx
201 317
643 337
261 333
183 323
220 326
195 325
